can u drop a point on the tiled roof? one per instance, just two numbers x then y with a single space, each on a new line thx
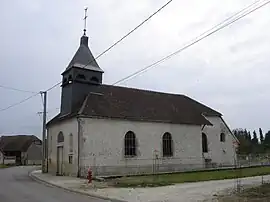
141 105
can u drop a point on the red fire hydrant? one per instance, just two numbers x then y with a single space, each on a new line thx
89 175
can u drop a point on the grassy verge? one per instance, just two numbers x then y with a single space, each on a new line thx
259 193
168 179
3 166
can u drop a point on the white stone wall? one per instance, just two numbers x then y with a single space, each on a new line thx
67 127
103 144
220 152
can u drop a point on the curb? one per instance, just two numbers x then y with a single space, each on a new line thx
37 179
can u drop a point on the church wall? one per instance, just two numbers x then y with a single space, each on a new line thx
103 147
220 152
67 127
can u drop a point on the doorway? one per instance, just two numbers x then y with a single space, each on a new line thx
60 150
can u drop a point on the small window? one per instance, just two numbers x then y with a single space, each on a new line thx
222 137
60 137
130 144
81 76
70 79
94 79
204 143
167 145
65 81
70 159
70 142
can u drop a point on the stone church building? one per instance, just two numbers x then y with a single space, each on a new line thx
117 130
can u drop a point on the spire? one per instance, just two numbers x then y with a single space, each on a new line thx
83 58
85 17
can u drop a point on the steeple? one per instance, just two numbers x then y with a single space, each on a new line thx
81 76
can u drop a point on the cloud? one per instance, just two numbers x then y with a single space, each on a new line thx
227 71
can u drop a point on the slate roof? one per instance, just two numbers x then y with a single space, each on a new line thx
83 58
141 105
17 142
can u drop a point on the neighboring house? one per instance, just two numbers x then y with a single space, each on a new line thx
117 130
21 149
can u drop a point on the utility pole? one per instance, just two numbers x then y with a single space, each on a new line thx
44 139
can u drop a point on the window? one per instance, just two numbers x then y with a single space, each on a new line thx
65 81
81 76
167 145
60 137
222 137
70 159
70 142
204 143
94 79
130 144
70 79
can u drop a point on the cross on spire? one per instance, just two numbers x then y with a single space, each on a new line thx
85 17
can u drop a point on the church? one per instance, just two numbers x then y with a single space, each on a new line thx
123 131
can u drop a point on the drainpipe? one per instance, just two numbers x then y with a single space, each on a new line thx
79 146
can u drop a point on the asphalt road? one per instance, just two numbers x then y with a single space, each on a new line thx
17 186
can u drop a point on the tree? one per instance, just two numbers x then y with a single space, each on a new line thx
261 136
255 138
266 141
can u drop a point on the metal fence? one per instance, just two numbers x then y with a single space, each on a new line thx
157 165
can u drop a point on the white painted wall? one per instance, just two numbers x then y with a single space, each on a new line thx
215 146
103 144
67 127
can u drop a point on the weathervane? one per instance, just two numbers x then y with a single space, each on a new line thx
85 16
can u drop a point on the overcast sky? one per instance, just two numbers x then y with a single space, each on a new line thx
228 71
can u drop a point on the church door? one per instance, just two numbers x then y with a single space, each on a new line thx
59 160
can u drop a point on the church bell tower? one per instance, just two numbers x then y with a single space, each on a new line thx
81 76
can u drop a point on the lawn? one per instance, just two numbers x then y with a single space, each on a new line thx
168 179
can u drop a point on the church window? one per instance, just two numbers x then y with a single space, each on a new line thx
130 144
167 144
70 79
94 79
204 143
222 137
70 142
60 137
81 76
65 81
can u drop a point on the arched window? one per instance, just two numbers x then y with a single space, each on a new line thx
204 143
130 144
70 142
60 137
222 137
65 81
94 79
81 76
167 144
70 79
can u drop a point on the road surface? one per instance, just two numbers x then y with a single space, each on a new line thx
17 186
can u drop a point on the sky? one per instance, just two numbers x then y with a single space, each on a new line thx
227 71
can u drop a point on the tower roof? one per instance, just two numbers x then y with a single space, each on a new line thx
83 58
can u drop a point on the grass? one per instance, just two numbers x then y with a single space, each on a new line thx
168 179
259 193
3 166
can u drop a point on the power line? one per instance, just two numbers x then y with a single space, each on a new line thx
130 32
16 89
15 104
196 40
121 39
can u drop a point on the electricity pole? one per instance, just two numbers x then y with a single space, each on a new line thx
44 139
